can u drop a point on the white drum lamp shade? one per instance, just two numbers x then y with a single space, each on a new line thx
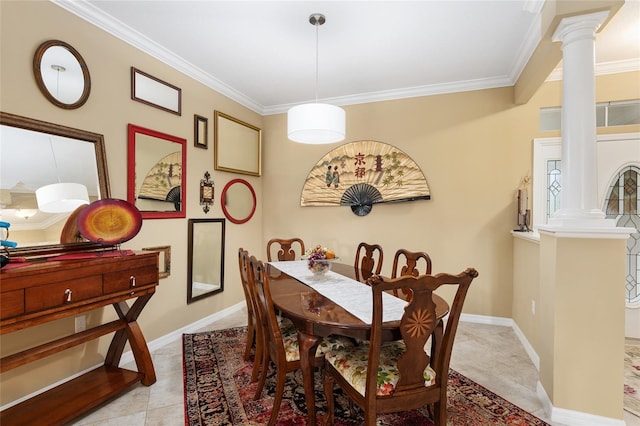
316 123
61 197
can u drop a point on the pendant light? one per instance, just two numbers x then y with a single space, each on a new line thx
61 197
316 123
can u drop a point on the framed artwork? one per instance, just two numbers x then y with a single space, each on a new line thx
363 173
156 169
152 91
200 131
237 145
164 261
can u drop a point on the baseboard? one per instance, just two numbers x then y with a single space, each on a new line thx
127 357
533 356
559 416
564 417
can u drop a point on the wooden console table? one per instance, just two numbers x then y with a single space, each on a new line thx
49 290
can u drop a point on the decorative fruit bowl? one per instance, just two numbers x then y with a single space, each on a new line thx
319 260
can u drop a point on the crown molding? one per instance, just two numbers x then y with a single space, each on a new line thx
130 36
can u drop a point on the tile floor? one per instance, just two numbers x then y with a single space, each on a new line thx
490 355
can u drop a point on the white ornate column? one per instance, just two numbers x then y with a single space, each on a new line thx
582 256
579 203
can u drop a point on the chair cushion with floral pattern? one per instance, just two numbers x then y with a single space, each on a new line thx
352 364
292 348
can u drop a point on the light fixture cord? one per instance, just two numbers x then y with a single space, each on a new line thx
317 56
55 162
58 83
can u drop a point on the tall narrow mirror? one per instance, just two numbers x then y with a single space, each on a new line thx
205 258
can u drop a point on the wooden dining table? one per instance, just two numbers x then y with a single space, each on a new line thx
316 316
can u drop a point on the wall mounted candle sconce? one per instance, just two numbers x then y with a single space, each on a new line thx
207 189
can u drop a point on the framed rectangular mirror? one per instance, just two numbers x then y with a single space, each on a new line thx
37 153
205 258
152 91
157 167
237 145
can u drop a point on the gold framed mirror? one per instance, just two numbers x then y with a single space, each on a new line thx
37 153
61 74
237 145
205 267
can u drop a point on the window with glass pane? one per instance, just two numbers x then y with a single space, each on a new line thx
553 187
623 205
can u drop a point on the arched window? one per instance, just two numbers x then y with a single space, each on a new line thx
623 204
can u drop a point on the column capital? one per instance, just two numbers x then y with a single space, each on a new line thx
586 24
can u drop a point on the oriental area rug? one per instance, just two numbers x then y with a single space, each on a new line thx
632 376
218 391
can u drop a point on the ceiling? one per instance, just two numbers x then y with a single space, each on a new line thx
262 54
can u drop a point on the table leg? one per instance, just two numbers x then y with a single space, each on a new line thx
308 344
133 334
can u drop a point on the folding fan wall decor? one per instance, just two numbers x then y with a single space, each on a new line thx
361 174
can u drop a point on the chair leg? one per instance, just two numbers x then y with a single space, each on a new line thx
281 376
370 418
257 362
440 415
328 395
251 335
263 376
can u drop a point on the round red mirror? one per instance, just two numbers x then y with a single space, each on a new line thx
238 201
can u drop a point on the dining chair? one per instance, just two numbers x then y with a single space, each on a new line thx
366 261
254 330
281 340
407 262
386 377
286 249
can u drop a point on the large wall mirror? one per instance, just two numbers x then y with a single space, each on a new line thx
238 201
157 166
35 153
205 258
61 74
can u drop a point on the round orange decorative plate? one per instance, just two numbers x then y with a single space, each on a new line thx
109 221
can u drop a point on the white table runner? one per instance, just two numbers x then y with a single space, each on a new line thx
352 295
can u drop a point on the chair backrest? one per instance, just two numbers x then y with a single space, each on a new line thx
409 263
366 263
286 249
418 324
266 311
243 264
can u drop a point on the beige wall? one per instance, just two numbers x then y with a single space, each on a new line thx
474 148
468 146
582 303
23 26
526 288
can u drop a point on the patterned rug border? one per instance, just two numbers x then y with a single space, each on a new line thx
632 376
217 391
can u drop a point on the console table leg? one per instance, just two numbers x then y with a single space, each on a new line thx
141 354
